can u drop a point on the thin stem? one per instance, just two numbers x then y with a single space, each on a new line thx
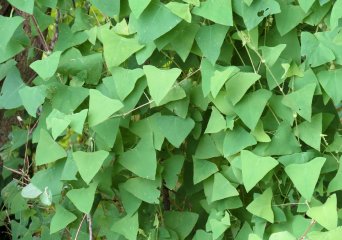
126 113
313 222
171 59
41 36
90 226
79 227
241 59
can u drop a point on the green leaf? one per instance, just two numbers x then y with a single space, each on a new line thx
125 80
9 25
141 160
284 235
61 219
23 5
180 222
180 9
271 54
220 77
249 163
286 24
193 2
129 201
77 120
238 85
252 15
48 150
300 101
30 191
57 122
328 235
306 4
237 140
155 21
138 6
260 134
107 131
66 98
310 132
82 20
331 83
9 95
108 7
101 107
222 188
83 198
326 214
336 183
216 122
160 81
117 49
203 169
32 98
172 169
305 176
183 41
283 141
206 148
257 101
175 129
70 169
144 189
89 163
335 17
316 53
218 227
47 67
127 226
219 11
261 206
210 39
201 234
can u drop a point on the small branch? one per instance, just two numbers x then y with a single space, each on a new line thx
166 198
134 109
41 36
79 227
307 230
90 226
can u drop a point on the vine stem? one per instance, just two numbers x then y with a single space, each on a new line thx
313 222
41 36
79 227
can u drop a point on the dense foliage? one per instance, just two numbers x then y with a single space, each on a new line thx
153 119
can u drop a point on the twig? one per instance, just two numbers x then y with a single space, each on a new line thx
41 36
307 230
134 109
90 226
79 227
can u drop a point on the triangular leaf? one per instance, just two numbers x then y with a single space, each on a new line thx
203 169
101 107
216 122
310 132
83 198
48 150
304 176
117 49
141 160
219 11
222 188
144 189
326 214
250 162
261 206
127 226
300 101
160 81
180 222
175 129
237 140
61 219
47 67
252 105
89 163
